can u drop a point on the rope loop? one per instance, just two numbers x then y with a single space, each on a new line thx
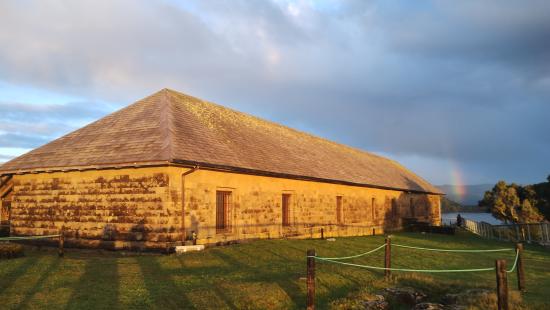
515 262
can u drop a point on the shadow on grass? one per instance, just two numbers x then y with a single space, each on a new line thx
53 266
348 278
281 279
166 294
19 271
97 288
217 273
223 296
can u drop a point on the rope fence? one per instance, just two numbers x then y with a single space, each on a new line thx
28 237
353 256
515 263
500 267
335 260
451 250
407 270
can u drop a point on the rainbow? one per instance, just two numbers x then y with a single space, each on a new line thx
457 181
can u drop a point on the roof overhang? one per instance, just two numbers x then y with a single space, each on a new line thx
208 166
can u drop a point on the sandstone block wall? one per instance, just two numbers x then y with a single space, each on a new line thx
111 208
256 207
143 207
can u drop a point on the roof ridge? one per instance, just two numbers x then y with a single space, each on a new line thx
166 125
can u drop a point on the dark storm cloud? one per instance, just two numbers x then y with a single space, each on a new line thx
466 82
508 32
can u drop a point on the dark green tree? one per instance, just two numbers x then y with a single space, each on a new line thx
512 203
527 213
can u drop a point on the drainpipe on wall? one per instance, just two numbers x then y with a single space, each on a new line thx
195 168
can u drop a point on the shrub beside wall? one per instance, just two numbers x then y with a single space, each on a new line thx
10 250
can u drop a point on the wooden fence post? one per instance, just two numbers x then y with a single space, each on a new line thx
61 250
502 284
322 233
387 258
520 270
310 279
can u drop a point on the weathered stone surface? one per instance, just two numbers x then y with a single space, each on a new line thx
377 302
429 306
94 207
257 203
405 295
144 207
462 297
436 306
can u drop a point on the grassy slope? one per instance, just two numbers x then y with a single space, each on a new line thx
262 274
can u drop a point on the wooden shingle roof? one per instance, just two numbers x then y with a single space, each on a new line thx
172 128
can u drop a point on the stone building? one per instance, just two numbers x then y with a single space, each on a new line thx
153 173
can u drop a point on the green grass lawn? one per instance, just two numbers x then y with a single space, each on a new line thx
267 274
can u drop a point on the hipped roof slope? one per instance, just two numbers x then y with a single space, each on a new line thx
171 127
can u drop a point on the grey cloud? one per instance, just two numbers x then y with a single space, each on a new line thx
5 157
42 128
24 125
21 141
18 111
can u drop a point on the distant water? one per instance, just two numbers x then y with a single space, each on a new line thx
474 216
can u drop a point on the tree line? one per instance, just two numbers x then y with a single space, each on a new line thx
513 203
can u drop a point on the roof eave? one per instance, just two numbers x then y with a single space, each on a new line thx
224 168
101 166
207 166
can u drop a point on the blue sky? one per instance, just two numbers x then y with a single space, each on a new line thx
457 91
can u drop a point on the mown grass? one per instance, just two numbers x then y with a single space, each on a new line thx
267 274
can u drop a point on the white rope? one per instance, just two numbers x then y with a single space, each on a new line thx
353 256
28 237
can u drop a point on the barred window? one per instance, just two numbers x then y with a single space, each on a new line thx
286 209
223 203
339 214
